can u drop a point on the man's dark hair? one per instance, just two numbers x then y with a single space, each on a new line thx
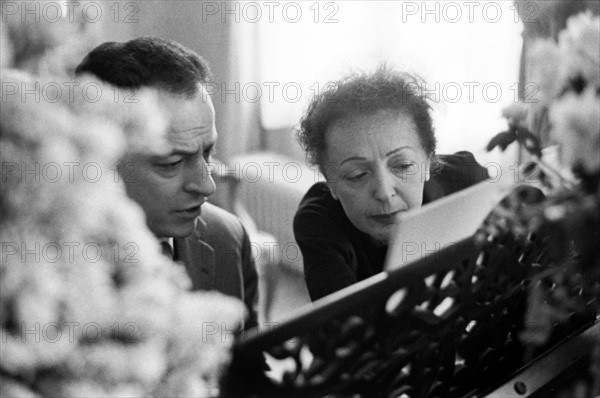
147 62
364 94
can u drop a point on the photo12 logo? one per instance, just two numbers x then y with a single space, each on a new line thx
270 11
67 252
469 11
73 332
67 172
68 91
71 11
227 333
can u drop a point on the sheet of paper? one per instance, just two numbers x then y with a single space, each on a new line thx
443 222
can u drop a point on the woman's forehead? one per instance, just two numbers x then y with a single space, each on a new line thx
383 129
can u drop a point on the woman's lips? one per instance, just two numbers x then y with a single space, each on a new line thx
386 218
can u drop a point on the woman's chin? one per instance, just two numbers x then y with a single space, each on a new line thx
383 236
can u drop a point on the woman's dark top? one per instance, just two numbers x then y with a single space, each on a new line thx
336 254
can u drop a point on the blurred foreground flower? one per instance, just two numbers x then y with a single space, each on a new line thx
88 305
567 73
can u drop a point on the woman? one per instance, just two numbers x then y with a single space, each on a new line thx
371 136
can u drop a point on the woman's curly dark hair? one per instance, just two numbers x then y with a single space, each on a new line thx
365 94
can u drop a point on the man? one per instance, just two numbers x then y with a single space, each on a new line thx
172 189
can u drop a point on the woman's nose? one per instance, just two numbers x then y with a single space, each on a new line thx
383 186
199 179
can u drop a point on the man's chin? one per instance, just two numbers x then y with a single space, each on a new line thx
183 235
174 231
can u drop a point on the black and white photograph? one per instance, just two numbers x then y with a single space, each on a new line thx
310 198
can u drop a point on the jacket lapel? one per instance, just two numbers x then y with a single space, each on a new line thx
198 257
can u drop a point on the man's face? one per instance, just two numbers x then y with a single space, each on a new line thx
172 188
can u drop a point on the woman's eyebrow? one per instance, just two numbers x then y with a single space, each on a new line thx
352 158
393 151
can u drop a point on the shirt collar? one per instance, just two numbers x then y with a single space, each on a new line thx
168 240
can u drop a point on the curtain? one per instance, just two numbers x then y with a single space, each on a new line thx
214 30
470 58
269 58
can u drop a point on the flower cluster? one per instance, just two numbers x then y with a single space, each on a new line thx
42 45
88 305
567 74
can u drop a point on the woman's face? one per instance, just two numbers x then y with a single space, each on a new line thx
376 167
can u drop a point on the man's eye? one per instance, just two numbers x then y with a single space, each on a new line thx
169 166
207 154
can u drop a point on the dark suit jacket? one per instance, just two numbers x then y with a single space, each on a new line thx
217 256
336 254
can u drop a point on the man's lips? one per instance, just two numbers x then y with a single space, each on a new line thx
191 211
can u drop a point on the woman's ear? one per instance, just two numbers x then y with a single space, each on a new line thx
428 167
332 189
330 179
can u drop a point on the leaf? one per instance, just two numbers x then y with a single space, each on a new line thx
528 140
502 140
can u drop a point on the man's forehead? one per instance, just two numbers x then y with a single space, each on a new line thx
190 118
192 140
175 134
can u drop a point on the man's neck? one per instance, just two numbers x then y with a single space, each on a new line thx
171 249
169 240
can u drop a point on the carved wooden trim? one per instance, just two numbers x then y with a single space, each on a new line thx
446 326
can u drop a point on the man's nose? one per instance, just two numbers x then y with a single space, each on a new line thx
383 186
199 180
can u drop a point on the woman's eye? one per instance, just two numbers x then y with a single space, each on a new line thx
356 176
403 166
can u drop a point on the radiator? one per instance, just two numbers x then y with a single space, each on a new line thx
271 187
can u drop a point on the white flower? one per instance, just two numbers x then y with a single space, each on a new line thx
185 383
544 71
552 66
113 363
516 113
206 329
137 112
567 73
576 126
85 294
12 389
579 44
148 305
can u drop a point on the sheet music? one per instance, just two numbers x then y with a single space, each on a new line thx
443 222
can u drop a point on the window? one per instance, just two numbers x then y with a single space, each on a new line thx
468 52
